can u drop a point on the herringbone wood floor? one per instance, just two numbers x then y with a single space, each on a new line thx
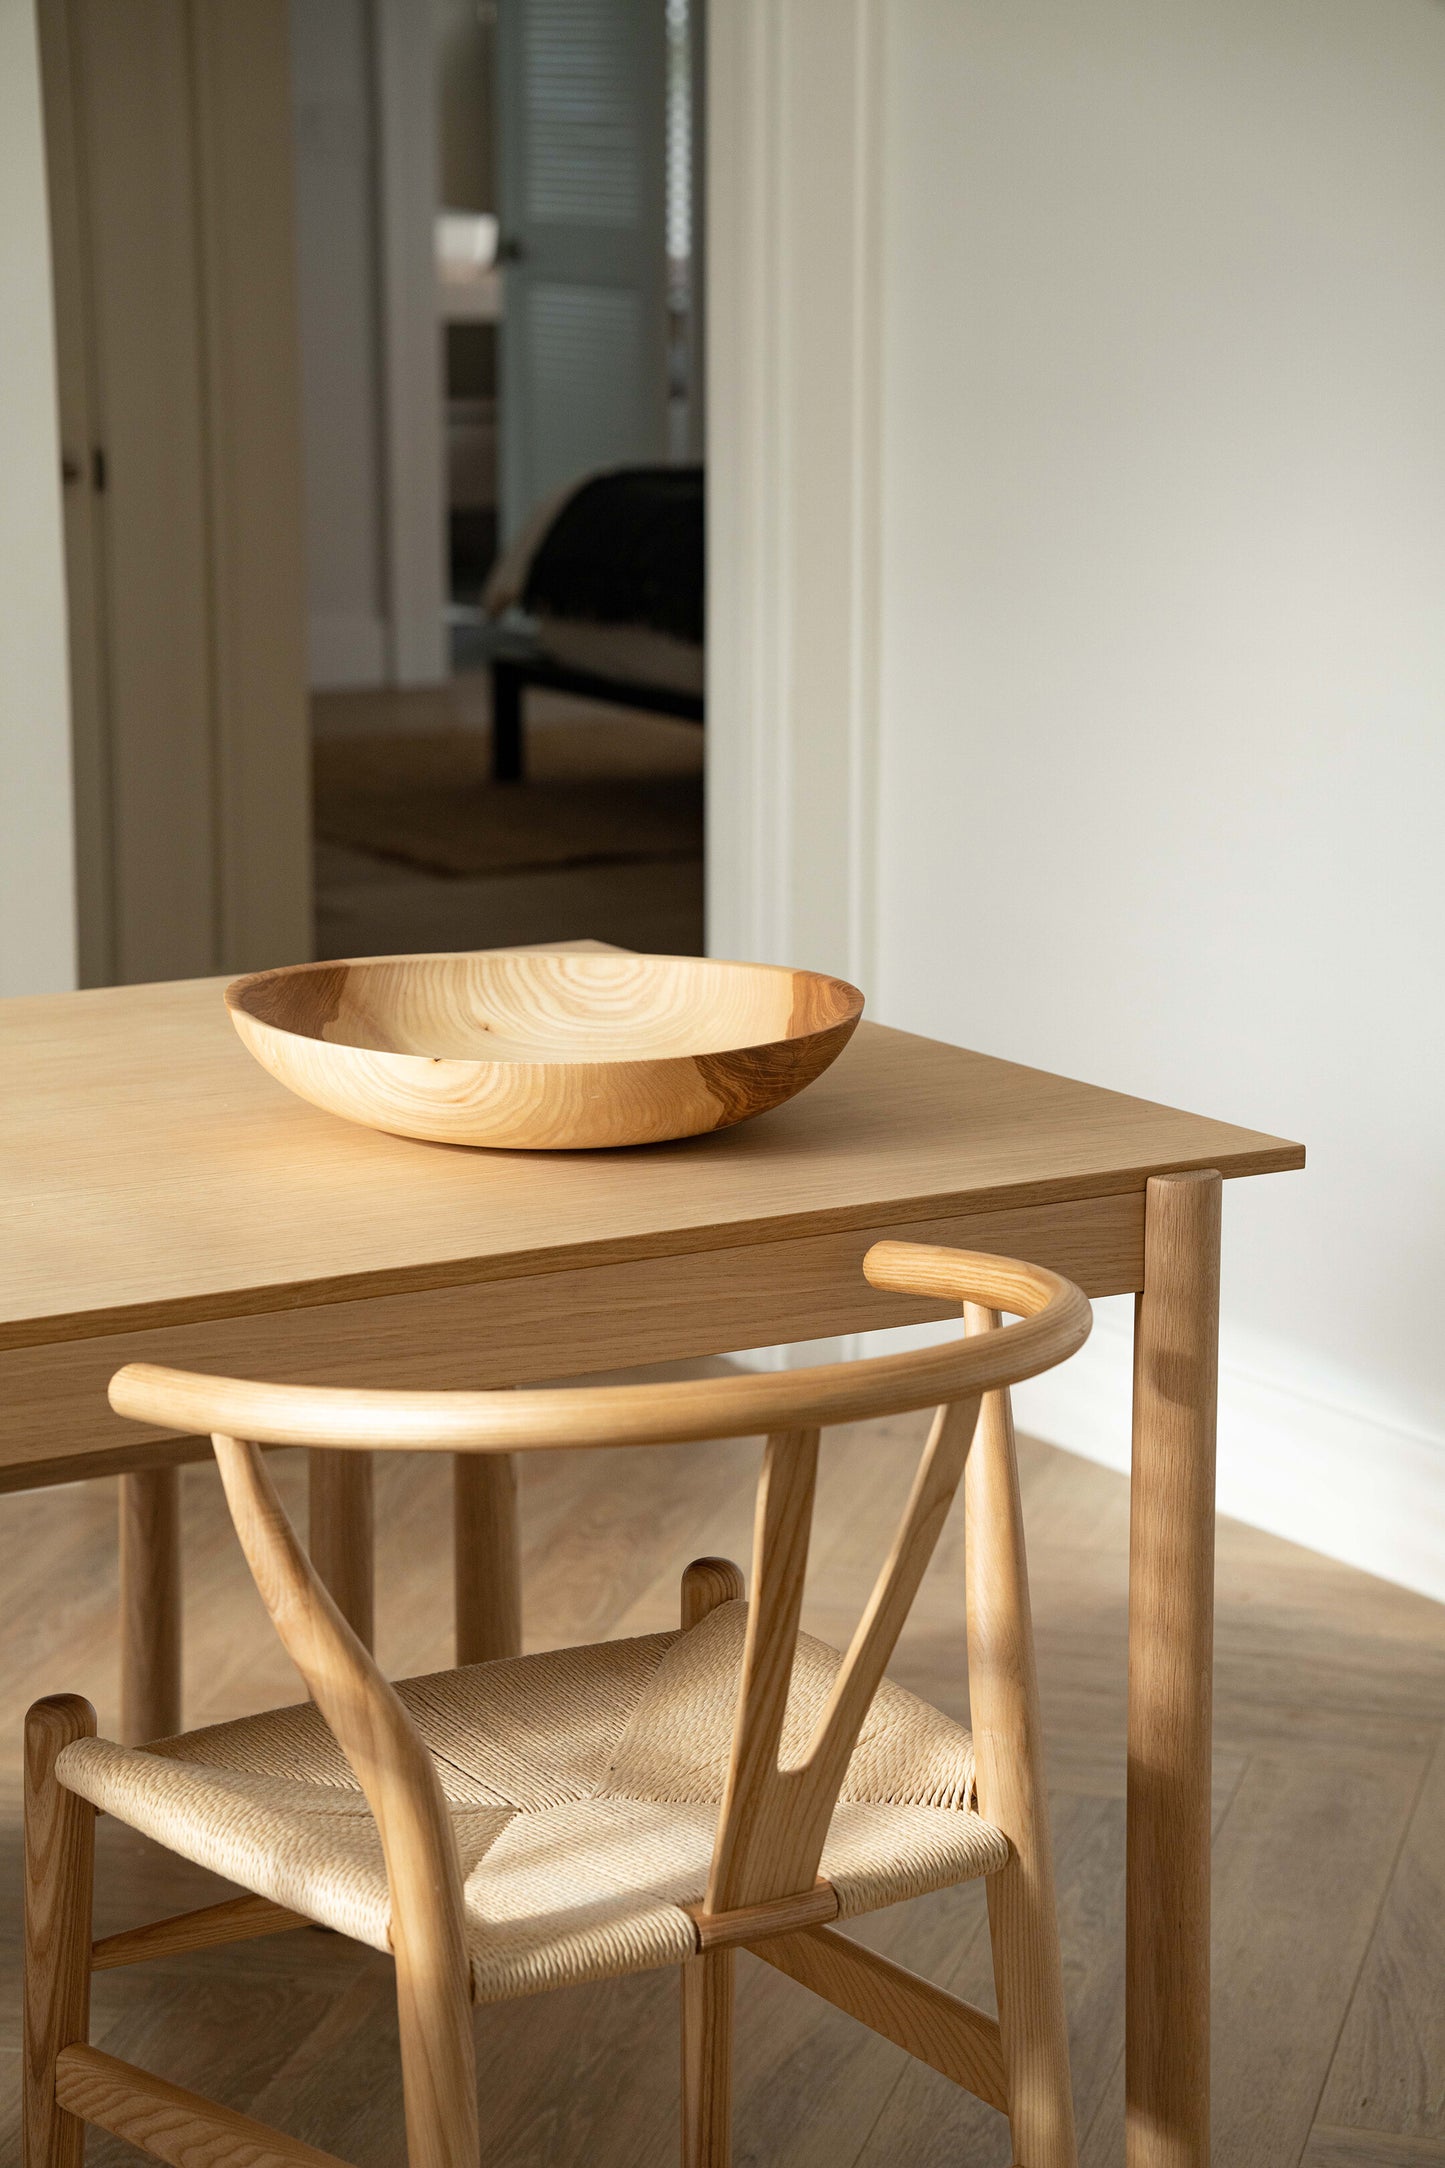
1329 1845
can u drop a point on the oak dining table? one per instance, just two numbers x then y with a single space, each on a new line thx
163 1200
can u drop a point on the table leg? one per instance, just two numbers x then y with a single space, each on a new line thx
488 1558
340 1533
150 1605
1171 1637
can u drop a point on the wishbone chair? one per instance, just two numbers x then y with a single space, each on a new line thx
510 1827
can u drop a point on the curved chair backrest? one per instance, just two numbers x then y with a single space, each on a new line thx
773 1822
1053 1320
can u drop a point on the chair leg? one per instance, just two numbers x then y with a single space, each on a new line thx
707 1982
340 1533
508 749
438 2057
150 1604
59 1874
706 1583
1008 1744
707 2060
488 1551
1028 1980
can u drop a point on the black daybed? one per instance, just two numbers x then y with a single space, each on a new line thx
602 595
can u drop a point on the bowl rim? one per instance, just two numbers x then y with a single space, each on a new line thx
234 995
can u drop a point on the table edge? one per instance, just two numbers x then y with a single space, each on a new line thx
1275 1157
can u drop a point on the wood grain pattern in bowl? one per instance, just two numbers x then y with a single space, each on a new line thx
544 1050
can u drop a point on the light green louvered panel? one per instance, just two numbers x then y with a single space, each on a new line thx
582 174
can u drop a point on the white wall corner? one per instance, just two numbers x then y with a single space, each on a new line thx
794 317
794 421
414 523
1295 1462
37 847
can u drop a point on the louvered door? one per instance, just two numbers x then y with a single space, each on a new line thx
582 181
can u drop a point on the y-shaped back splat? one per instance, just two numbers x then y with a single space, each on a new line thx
774 1821
399 1779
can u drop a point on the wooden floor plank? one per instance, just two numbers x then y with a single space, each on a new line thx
1370 2149
1302 1859
932 2125
812 2081
1389 2070
217 2031
1301 1865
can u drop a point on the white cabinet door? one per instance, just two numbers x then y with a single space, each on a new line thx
581 136
170 146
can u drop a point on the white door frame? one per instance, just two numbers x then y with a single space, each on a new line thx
794 425
262 720
413 520
37 852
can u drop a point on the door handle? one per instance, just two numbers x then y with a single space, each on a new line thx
511 250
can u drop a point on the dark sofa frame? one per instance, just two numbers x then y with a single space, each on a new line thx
513 674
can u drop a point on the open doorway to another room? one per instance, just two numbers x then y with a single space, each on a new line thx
501 284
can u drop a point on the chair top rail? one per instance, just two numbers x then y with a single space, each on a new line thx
1053 1319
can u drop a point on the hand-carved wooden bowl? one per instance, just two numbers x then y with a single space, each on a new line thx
544 1050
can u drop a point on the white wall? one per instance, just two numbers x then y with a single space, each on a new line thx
1162 709
364 91
1096 623
336 248
37 886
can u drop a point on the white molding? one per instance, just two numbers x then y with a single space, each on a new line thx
255 512
794 423
745 606
865 620
37 878
82 511
346 648
413 520
1294 1461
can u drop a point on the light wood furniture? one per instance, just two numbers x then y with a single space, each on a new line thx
822 1794
541 1049
150 1579
1329 1920
1171 1653
276 1242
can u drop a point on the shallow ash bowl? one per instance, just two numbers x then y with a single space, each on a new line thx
544 1049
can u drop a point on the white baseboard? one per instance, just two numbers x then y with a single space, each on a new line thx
346 649
1295 1463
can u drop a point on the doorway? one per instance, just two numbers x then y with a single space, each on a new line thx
530 186
795 302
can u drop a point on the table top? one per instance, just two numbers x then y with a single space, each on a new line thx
152 1174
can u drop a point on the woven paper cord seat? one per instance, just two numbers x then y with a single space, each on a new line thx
515 1826
584 1788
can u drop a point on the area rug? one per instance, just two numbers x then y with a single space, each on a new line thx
611 791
